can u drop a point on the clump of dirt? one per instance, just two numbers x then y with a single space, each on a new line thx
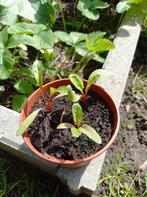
45 136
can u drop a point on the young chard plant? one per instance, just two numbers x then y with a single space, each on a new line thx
78 83
78 128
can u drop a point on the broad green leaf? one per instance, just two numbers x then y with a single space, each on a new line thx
17 39
77 37
26 28
77 82
65 126
18 102
123 6
72 96
97 4
44 39
75 132
4 36
23 87
91 133
93 36
6 63
35 11
95 75
64 37
26 123
27 73
77 114
100 45
81 48
83 6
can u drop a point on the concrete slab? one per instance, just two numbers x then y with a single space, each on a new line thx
84 179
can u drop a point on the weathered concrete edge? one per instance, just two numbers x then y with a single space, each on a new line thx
118 62
9 142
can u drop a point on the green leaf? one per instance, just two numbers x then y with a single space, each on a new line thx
75 132
93 36
95 75
37 72
17 39
6 63
64 37
44 39
77 114
91 133
23 87
91 14
26 28
72 96
52 91
77 37
123 6
62 89
35 11
3 36
77 82
18 102
81 49
65 126
100 45
26 123
89 8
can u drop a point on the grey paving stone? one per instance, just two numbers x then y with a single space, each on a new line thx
118 61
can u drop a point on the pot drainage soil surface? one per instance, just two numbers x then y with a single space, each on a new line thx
45 136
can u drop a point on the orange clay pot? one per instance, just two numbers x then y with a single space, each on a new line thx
68 163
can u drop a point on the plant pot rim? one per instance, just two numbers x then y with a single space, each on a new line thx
62 162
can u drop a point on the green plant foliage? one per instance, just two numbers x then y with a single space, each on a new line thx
24 87
100 45
35 11
77 82
42 40
27 122
26 28
72 96
77 114
6 60
91 133
72 38
90 8
18 102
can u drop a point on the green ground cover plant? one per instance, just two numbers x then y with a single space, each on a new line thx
63 42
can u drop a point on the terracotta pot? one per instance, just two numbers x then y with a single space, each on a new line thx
67 163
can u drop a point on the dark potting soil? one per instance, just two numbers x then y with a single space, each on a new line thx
45 136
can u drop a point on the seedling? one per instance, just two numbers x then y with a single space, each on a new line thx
78 128
78 83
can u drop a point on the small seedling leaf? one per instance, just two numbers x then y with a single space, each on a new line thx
72 96
26 123
62 89
75 132
77 114
65 126
95 75
52 91
91 133
77 82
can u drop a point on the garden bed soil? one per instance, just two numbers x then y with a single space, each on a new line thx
45 136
